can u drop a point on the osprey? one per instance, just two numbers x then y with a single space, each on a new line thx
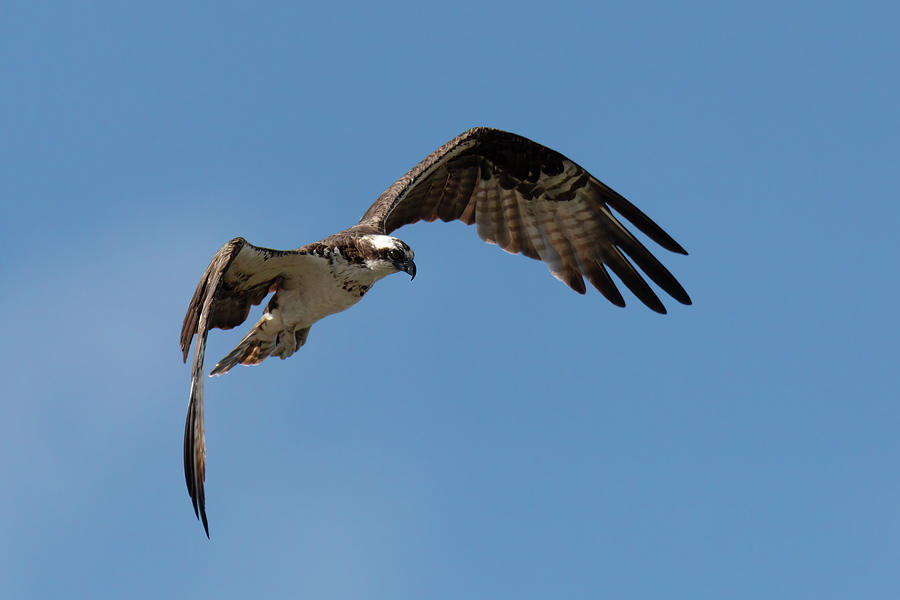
522 196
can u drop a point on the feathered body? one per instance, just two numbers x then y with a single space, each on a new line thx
522 196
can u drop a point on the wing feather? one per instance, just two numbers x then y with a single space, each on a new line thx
486 216
512 221
568 271
625 271
598 276
530 199
238 276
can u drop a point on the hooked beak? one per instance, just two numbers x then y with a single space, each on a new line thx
408 267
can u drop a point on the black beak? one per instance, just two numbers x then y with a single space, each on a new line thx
408 267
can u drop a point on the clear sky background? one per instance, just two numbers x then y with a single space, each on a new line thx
482 432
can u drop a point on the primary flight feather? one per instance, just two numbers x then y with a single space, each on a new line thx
522 196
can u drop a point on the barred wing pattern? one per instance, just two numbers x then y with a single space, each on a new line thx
522 196
529 199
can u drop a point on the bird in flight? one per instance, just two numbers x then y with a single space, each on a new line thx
520 195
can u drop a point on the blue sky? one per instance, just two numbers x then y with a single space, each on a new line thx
481 432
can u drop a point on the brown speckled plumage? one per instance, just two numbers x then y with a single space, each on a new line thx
520 195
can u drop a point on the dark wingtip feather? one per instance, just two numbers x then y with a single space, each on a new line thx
637 217
194 487
203 518
654 304
632 280
575 281
683 297
600 279
653 268
187 333
188 461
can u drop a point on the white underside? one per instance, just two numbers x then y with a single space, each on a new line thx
308 294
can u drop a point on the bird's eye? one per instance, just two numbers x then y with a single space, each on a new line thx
395 254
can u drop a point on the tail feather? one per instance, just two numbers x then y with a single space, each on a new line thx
258 346
253 349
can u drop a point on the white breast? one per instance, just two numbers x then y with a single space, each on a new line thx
326 285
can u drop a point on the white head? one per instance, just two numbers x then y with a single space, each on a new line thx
384 253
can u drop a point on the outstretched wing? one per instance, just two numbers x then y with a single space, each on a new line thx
239 276
529 199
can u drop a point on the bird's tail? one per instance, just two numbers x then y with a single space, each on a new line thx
259 344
